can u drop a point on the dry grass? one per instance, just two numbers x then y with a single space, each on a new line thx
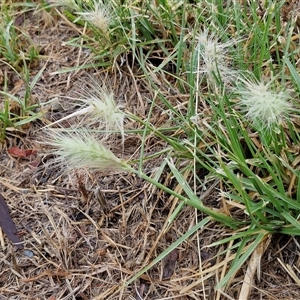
89 232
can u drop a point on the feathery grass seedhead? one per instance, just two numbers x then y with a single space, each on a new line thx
99 107
81 150
102 105
263 106
214 58
99 16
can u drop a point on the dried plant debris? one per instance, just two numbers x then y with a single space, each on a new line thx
170 263
8 225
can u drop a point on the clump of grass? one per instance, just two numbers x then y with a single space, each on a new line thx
245 141
26 111
16 46
18 53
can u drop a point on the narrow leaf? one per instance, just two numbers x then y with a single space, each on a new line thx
7 224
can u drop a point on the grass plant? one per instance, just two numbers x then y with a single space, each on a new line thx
20 111
237 124
246 140
18 53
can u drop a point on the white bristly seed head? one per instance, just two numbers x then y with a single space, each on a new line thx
98 106
214 59
101 106
81 149
262 104
99 16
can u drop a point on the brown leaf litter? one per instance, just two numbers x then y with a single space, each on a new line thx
8 225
